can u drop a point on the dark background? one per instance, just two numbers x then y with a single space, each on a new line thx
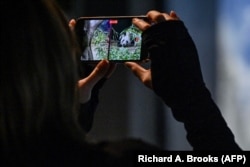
127 108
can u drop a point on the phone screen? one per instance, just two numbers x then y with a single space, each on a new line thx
113 38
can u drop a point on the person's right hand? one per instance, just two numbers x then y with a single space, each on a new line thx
144 75
175 73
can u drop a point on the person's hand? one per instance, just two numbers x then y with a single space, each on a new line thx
93 74
154 17
103 70
174 73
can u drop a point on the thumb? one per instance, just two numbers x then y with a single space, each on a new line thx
98 73
86 85
141 73
137 70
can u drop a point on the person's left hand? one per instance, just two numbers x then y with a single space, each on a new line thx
102 70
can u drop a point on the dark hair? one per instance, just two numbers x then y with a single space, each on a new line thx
38 85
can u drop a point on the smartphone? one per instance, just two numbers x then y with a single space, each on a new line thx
114 38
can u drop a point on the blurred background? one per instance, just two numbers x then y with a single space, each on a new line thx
221 31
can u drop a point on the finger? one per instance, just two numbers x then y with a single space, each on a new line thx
141 73
174 15
135 68
167 17
72 24
98 73
141 24
156 17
